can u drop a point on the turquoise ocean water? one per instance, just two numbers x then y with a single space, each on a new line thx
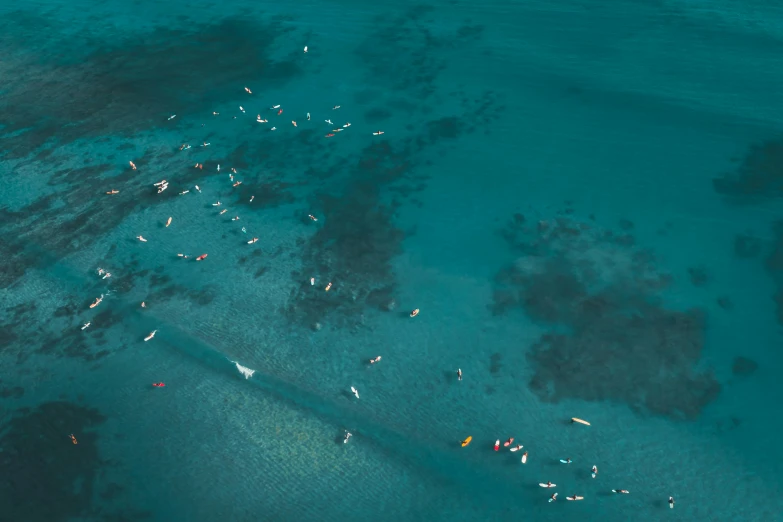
584 199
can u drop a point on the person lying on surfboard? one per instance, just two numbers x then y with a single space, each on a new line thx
516 448
508 442
497 445
553 497
671 502
594 471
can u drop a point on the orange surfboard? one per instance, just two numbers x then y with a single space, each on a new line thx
466 441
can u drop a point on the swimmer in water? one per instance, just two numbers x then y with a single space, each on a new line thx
347 436
623 491
459 374
141 238
594 471
85 326
553 497
355 391
73 439
373 361
671 502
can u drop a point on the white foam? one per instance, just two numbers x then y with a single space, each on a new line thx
247 372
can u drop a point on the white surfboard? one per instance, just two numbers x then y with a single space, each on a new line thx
524 458
564 461
575 498
517 448
546 485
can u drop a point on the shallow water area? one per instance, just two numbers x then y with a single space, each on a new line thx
583 203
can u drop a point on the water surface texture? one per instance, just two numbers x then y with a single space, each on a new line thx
584 200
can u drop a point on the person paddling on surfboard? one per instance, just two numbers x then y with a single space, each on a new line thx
459 374
594 471
516 448
566 461
497 445
524 458
623 491
508 442
347 436
671 502
553 497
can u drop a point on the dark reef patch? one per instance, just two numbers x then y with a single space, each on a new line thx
46 477
774 265
698 275
742 366
758 176
612 338
747 246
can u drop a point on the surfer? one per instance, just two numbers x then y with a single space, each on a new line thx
85 326
143 304
97 302
516 448
308 116
141 238
312 217
373 361
459 374
159 384
415 313
237 184
168 222
252 241
594 471
199 190
355 391
623 491
466 441
328 286
553 497
508 442
347 436
106 276
575 497
547 485
566 461
293 122
497 445
524 458
312 281
111 192
216 204
248 90
183 192
73 439
151 335
252 198
377 133
671 502
235 218
223 211
201 257
133 165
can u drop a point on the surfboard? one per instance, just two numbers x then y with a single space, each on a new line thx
546 485
564 461
618 491
466 441
575 498
516 448
168 222
580 421
554 497
524 458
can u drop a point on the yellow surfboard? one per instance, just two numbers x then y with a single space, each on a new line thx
466 441
580 421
